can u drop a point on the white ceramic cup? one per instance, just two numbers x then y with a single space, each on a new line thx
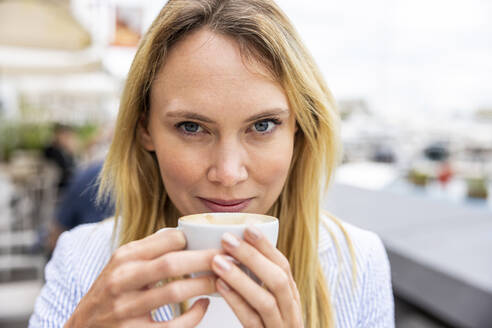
204 231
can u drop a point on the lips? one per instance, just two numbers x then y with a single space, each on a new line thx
222 205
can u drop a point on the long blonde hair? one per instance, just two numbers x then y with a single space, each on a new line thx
131 174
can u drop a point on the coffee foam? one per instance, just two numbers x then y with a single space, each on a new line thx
235 218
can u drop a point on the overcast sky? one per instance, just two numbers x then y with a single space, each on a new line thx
402 56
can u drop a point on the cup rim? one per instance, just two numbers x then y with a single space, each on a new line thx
271 219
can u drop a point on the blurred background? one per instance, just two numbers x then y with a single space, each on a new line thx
413 80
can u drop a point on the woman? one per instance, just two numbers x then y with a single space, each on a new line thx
223 110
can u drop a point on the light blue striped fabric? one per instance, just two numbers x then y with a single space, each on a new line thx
81 254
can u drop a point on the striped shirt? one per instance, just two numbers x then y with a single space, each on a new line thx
82 253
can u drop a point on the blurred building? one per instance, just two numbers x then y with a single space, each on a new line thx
50 68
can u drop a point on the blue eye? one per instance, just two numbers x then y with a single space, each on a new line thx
266 126
262 126
189 127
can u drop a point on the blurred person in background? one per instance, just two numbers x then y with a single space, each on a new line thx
223 108
78 204
61 153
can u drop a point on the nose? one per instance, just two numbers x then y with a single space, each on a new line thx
228 167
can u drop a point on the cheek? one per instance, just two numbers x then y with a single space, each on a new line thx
179 169
271 169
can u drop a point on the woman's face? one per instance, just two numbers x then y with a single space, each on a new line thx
223 132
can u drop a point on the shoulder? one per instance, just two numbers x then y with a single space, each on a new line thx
357 270
91 246
79 256
92 237
337 237
344 247
331 225
91 234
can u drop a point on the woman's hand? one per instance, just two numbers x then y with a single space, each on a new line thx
278 305
124 295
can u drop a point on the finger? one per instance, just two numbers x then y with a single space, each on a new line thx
190 318
151 247
138 303
138 274
245 313
254 237
142 321
256 296
271 274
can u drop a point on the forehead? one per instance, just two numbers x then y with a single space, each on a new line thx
208 68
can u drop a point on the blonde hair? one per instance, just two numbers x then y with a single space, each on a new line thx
131 174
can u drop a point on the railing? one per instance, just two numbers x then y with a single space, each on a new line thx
439 250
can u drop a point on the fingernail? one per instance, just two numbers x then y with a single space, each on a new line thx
223 285
230 239
253 232
222 263
204 302
231 259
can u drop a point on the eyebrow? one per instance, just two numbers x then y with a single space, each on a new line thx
199 117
